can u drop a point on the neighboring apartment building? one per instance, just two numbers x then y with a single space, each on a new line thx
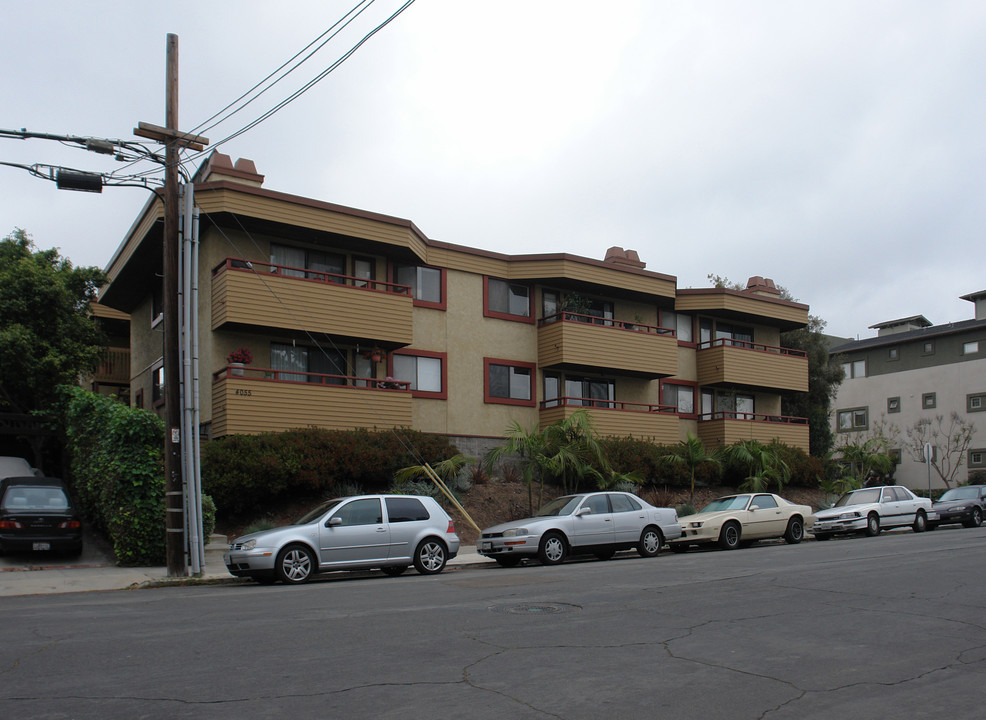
356 319
913 370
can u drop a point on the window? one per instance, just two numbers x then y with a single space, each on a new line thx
764 502
681 397
590 392
975 403
295 261
157 304
405 509
728 333
893 354
680 323
427 284
550 305
928 401
507 300
365 511
893 405
328 363
509 382
363 268
977 458
854 369
424 370
929 348
895 455
970 348
726 404
854 419
623 503
157 385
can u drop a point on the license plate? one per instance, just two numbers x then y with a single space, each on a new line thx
42 546
487 546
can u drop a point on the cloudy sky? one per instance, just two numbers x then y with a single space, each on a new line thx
837 147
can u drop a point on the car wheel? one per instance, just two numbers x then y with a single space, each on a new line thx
678 547
920 522
823 536
430 557
552 550
729 536
650 543
976 519
872 525
605 554
295 565
393 570
508 560
795 532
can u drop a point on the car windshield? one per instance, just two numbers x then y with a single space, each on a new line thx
34 499
858 497
733 502
965 493
560 506
316 512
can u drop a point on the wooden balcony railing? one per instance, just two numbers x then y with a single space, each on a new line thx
616 418
746 345
290 271
727 427
114 367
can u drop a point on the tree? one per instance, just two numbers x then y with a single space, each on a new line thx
824 374
949 443
763 463
567 451
864 455
47 336
691 453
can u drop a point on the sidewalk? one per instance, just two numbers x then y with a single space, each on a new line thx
26 579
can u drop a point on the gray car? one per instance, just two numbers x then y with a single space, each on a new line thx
390 532
598 523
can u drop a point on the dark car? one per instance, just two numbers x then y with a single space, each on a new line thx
964 505
37 514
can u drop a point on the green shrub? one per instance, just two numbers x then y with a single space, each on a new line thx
245 473
116 462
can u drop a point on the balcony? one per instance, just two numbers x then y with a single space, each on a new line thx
720 429
261 400
588 343
658 423
261 295
753 365
114 368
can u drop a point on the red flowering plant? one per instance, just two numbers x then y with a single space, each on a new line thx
240 355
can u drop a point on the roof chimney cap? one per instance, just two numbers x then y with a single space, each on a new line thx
760 285
619 256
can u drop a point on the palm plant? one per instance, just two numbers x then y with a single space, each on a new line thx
448 470
763 463
861 459
691 453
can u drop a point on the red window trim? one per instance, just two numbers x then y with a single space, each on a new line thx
490 399
443 305
443 395
529 319
696 399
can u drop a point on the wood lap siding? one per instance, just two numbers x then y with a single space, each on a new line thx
718 433
753 368
276 301
609 347
244 406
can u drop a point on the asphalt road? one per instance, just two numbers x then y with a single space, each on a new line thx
857 628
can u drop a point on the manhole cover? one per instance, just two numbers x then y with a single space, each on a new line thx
535 608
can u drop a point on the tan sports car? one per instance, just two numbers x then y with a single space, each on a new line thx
738 520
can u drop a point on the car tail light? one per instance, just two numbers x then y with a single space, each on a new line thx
451 528
70 525
10 525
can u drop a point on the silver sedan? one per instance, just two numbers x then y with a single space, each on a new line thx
598 523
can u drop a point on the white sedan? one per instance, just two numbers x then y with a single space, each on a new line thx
737 520
873 509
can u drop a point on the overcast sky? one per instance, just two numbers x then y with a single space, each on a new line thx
836 147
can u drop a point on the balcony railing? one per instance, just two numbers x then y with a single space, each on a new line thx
724 362
617 418
264 295
114 367
251 400
725 427
587 342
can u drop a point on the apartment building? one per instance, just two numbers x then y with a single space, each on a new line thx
357 319
912 370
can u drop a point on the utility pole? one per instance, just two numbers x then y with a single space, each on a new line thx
173 139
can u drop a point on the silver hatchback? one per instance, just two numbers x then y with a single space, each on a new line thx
390 532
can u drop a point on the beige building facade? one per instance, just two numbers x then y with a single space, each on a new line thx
357 319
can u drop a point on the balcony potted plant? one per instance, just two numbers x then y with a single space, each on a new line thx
374 354
238 359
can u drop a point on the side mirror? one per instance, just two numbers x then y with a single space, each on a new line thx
583 511
333 521
754 507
